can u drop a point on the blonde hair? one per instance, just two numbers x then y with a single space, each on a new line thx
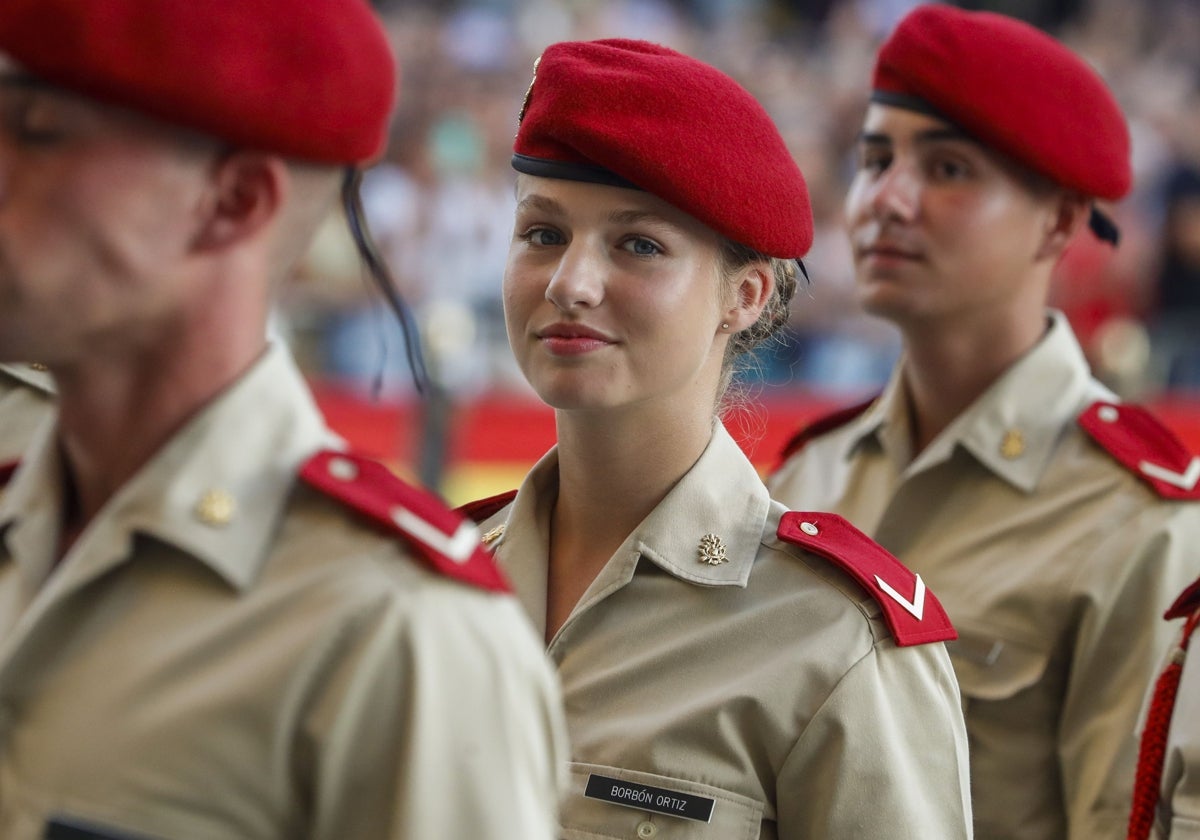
734 257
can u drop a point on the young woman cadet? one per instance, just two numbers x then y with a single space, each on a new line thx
729 670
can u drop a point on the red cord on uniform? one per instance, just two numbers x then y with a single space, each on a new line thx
1153 749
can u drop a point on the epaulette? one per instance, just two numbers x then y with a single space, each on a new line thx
816 428
481 509
445 540
1142 444
1185 604
914 619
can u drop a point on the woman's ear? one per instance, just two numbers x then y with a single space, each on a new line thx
752 290
247 192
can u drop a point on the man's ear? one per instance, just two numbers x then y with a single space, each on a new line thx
1069 213
247 192
752 290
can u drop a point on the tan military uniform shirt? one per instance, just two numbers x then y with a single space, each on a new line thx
1055 564
764 690
26 401
226 654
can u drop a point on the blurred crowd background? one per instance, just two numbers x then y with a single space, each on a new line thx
440 204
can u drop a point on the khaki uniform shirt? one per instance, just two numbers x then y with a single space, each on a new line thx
1055 564
226 654
767 685
26 401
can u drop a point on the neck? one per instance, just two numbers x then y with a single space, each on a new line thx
613 471
945 370
117 409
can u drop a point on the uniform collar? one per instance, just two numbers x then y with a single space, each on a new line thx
721 497
1012 428
36 377
216 490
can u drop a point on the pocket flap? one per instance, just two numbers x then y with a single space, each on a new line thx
992 668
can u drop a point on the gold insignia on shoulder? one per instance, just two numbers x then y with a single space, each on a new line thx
712 550
1013 445
216 508
528 92
493 535
38 366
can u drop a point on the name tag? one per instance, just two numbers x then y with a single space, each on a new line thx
674 803
65 828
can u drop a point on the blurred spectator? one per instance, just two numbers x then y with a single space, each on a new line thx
1175 326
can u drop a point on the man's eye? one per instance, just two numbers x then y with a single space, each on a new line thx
873 160
950 169
29 121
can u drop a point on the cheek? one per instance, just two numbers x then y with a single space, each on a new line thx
854 210
519 293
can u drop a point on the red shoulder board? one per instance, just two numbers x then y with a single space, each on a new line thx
7 471
818 427
481 509
1185 604
1139 441
446 541
912 612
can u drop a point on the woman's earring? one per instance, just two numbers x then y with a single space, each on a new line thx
724 326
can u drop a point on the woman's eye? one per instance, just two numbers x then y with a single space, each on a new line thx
542 236
641 247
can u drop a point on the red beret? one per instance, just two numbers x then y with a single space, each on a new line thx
1014 88
635 114
312 79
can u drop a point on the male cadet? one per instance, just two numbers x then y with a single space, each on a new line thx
212 625
26 401
1055 523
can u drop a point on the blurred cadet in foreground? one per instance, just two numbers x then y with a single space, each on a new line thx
214 621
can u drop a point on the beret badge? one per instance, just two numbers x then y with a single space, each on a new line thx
528 92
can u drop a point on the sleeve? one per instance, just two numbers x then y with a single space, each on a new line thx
885 757
441 718
1128 583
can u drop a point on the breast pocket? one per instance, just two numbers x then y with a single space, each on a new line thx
610 802
991 668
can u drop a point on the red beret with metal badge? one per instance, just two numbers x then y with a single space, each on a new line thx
313 79
639 115
1012 87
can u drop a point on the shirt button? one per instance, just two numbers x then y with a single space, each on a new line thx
647 829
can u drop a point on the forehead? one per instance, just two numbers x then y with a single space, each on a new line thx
580 198
894 123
